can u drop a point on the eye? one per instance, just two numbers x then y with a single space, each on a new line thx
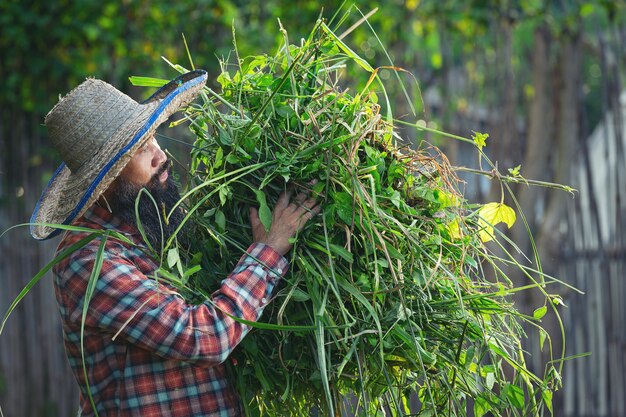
144 148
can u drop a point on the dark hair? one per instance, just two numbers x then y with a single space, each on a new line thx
153 219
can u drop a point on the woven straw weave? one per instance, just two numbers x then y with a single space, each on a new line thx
97 129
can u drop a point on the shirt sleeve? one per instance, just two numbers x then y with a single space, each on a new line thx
132 306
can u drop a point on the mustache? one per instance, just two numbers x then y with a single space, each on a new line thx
165 166
165 195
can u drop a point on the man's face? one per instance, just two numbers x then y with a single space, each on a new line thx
146 162
150 170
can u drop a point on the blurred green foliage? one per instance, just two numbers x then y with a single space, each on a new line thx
49 47
46 48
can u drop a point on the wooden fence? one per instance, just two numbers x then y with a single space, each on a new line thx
593 260
35 378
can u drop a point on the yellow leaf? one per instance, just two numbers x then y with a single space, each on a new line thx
454 229
448 199
490 215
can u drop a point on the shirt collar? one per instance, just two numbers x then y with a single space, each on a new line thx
97 217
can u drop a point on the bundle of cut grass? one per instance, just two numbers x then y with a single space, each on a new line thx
387 294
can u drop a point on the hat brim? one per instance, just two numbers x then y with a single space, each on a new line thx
69 194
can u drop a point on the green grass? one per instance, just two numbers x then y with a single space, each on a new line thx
388 292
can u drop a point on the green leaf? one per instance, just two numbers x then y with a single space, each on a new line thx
299 296
224 80
253 62
426 357
542 338
265 80
546 394
515 395
223 193
172 257
481 407
162 273
515 171
220 220
189 272
495 349
341 251
284 111
147 81
469 356
393 252
265 214
218 159
343 206
360 61
540 312
224 137
329 48
354 292
480 139
490 380
258 371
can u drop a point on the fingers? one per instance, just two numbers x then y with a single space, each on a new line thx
308 210
309 205
254 217
296 212
283 199
290 205
289 217
258 230
305 211
302 198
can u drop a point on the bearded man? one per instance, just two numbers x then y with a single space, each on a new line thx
140 349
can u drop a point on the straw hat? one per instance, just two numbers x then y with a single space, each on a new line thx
97 129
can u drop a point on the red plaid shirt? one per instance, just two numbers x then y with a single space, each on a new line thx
147 352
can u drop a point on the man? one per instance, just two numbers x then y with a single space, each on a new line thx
140 350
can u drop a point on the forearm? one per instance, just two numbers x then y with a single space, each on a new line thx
129 305
210 331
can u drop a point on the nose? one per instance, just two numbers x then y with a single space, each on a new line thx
159 156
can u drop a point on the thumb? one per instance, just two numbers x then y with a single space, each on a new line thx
255 222
254 217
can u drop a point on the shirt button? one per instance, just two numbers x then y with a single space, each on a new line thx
264 300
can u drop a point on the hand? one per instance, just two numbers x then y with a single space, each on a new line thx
288 219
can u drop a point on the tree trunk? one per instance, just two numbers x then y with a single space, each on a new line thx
504 143
539 141
567 123
552 231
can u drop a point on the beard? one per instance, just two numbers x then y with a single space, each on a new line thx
151 216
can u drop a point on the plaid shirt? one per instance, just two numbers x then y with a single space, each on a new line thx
147 352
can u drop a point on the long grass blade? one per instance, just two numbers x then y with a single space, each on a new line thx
62 255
